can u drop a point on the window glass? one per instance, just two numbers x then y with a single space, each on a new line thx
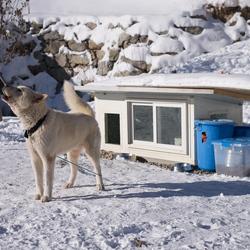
143 122
112 128
168 120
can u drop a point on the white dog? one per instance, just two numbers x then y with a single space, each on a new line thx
50 132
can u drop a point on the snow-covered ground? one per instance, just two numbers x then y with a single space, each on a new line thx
169 210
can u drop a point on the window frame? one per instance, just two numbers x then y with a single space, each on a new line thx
160 146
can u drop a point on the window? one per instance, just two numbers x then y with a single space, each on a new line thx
112 128
143 122
168 122
160 125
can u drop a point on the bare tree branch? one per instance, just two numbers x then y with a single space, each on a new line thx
12 29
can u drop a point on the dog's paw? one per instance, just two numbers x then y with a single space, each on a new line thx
100 187
37 197
45 198
68 185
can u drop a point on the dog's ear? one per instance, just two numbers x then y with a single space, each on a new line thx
39 98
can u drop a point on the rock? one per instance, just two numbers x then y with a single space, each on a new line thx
194 30
199 17
104 67
126 44
123 37
53 47
36 69
38 55
111 26
94 46
128 73
78 59
100 54
162 32
60 74
61 60
52 23
134 39
91 25
50 62
167 53
36 28
143 39
113 55
53 35
141 65
78 47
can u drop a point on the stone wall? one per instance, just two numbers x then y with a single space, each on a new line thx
64 58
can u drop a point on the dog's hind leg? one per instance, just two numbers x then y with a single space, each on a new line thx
93 153
72 157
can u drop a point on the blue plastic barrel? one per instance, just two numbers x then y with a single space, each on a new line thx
240 131
207 131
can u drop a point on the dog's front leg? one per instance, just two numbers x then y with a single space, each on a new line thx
37 166
49 167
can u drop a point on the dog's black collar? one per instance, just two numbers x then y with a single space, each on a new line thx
35 128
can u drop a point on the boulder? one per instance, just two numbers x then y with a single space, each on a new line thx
94 46
60 74
134 39
53 46
36 69
53 35
38 55
61 60
78 47
50 62
113 55
100 54
194 30
128 73
141 65
78 59
104 67
143 39
91 25
122 38
36 28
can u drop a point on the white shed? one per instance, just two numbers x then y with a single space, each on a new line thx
152 116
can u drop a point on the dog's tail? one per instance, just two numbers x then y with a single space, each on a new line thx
74 102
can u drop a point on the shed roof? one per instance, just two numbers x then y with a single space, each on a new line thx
232 85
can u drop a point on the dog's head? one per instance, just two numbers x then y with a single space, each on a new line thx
21 98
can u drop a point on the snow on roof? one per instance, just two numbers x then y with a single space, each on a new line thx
236 86
235 81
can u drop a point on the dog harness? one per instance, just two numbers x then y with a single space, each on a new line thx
35 128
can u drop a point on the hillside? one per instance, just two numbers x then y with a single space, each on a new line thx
93 42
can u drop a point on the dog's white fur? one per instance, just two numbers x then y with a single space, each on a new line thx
59 133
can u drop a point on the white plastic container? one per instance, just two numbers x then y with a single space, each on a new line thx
232 156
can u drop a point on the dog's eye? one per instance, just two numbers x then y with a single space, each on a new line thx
19 90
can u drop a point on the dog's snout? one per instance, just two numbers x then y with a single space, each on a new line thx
6 85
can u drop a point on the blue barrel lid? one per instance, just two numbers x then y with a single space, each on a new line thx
233 142
215 122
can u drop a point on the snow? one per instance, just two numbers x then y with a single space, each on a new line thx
235 81
149 18
169 210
